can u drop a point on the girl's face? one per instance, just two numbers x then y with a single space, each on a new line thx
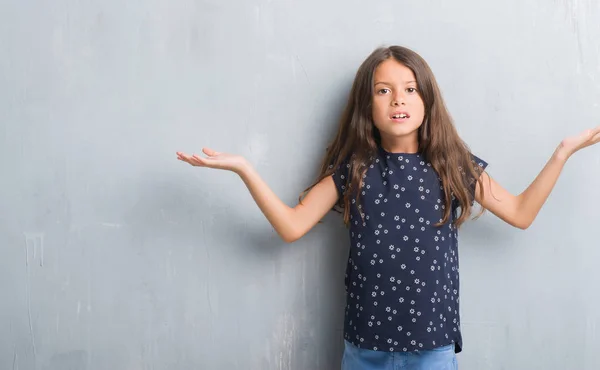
398 110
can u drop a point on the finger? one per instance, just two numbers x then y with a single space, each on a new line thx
210 152
188 159
199 161
183 156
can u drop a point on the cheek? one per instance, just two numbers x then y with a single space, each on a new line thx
378 109
419 107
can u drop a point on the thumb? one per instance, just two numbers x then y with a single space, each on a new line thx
210 152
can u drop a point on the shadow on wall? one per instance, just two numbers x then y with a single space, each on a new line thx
197 213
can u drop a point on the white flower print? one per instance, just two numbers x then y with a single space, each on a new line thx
390 192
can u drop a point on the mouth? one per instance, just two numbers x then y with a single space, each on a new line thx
400 116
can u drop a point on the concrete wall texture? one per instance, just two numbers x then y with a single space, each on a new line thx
114 255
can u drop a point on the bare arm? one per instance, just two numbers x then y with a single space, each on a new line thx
521 210
290 223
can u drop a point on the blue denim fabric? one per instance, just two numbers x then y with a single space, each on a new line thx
442 358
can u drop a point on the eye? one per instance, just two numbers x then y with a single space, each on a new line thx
383 91
411 90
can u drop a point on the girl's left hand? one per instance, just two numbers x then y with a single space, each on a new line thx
575 143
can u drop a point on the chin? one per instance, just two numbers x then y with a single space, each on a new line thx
401 131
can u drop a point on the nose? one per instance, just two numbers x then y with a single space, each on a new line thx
398 99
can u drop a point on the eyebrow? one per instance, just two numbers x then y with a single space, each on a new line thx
387 83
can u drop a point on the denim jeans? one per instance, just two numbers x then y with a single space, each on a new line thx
442 358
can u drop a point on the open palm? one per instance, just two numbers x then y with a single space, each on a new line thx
214 159
587 138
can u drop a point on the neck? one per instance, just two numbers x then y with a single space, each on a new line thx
400 145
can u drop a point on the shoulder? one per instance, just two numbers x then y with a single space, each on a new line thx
478 161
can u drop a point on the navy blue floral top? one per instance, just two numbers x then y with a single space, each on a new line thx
402 276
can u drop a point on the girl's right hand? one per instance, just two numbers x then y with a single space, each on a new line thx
222 161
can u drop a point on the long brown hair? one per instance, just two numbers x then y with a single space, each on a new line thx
357 140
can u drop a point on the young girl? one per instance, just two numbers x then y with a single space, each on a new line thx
405 182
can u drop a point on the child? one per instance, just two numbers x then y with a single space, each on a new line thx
405 183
